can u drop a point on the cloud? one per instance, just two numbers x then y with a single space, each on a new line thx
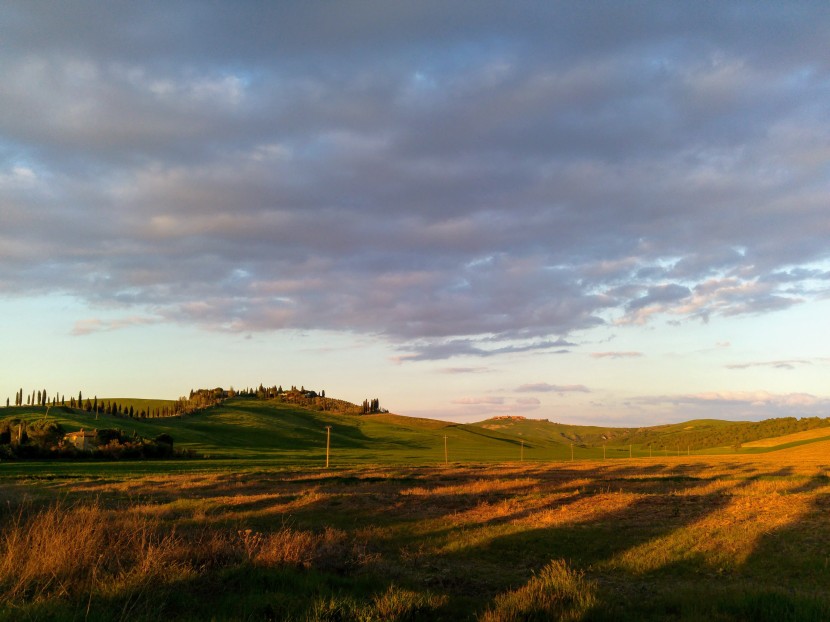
459 182
748 405
444 350
465 370
482 407
544 387
489 400
528 401
784 364
95 325
739 398
616 355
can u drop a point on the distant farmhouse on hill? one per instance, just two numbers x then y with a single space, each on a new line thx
84 440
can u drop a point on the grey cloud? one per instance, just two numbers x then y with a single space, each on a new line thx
740 406
660 294
544 387
464 347
466 370
786 364
752 405
616 355
459 180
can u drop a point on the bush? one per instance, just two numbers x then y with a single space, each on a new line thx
556 593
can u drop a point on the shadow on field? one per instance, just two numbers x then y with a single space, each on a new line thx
668 539
798 551
784 578
607 543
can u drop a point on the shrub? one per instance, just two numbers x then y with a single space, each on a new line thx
555 593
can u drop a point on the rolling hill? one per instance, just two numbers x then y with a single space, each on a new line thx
248 428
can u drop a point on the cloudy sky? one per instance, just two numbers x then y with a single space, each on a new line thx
596 212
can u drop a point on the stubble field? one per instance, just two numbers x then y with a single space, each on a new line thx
669 538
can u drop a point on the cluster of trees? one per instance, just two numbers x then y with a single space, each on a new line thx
200 399
372 406
47 439
263 392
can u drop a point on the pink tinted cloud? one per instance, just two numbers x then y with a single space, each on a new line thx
97 325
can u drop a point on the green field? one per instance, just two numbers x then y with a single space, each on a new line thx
254 432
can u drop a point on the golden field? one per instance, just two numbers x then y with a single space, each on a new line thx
689 537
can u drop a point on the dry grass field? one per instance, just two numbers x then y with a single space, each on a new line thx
819 433
669 538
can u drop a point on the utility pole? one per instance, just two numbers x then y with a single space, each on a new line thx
603 452
522 452
572 452
446 455
328 444
629 451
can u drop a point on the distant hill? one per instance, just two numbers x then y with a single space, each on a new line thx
294 431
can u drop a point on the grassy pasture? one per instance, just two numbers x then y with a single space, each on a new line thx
740 537
797 437
261 431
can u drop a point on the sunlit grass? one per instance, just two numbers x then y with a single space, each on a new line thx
695 538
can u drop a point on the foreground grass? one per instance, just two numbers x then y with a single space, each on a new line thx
700 538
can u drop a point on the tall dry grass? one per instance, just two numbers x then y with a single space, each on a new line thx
66 551
71 552
556 592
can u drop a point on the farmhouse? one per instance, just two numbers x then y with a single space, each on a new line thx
83 440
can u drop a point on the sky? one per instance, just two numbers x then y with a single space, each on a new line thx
610 213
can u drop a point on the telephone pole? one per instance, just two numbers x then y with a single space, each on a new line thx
522 452
328 444
446 455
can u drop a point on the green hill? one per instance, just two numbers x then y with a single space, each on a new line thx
274 430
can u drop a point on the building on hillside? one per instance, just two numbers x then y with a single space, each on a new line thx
85 440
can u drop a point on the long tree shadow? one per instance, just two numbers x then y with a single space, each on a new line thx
775 569
797 554
650 515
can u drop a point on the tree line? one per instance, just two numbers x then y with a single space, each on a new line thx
196 400
40 398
